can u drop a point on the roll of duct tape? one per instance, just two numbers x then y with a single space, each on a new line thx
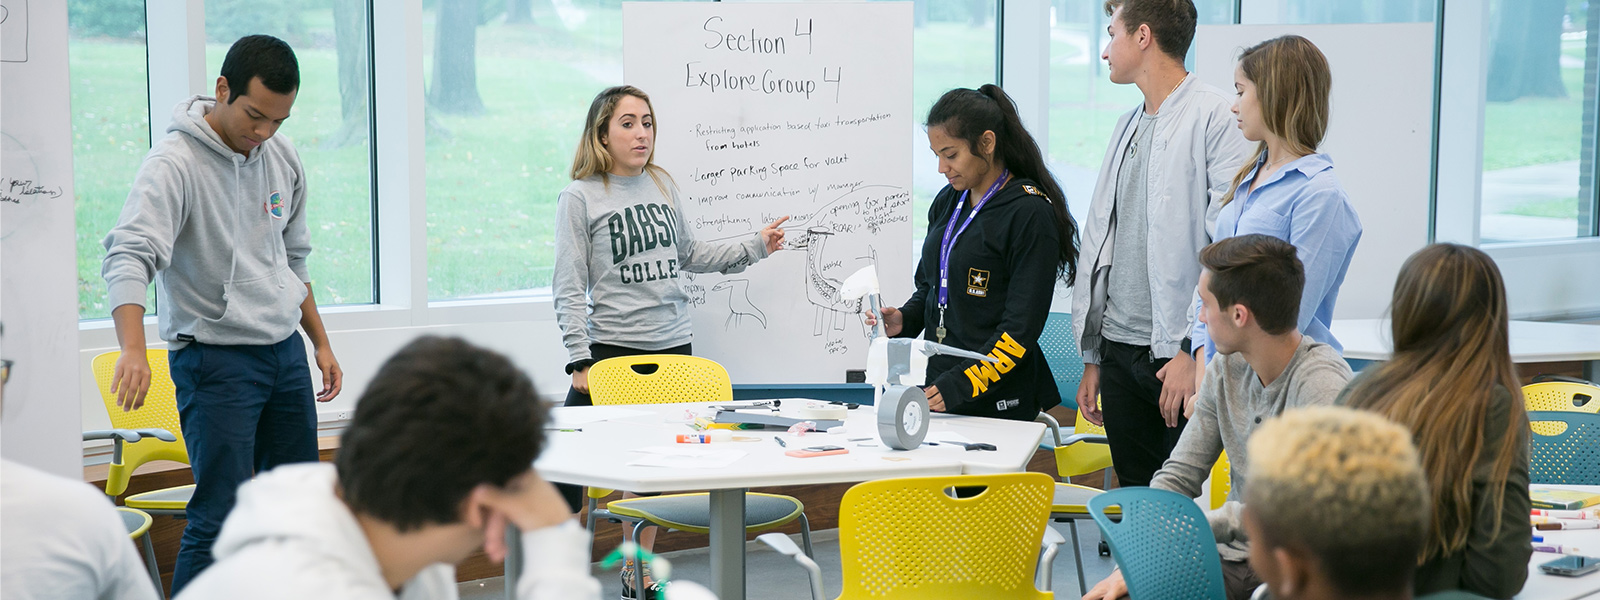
903 417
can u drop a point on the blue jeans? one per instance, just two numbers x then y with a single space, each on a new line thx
243 409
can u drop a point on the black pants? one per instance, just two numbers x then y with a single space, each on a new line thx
1130 401
574 493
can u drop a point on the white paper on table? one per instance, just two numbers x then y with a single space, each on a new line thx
573 416
716 460
685 450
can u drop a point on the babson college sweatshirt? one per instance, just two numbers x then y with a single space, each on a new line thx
1001 279
621 244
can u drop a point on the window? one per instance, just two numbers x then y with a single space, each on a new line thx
507 94
953 46
1356 11
110 129
330 126
1539 122
1084 103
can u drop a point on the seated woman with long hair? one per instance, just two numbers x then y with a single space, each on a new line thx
1452 383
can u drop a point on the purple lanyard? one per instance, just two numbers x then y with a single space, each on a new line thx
951 234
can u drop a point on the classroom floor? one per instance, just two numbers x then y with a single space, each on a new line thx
772 576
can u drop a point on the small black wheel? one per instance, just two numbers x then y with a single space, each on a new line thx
1105 550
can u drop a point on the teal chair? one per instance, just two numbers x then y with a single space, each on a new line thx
1162 543
1571 456
1060 349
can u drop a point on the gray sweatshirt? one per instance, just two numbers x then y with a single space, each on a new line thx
227 234
619 250
1232 404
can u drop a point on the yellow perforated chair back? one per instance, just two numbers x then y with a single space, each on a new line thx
909 538
1221 481
667 379
1083 457
160 411
1560 396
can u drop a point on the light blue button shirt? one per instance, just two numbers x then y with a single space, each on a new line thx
1303 204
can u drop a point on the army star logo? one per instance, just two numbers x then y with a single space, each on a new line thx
978 283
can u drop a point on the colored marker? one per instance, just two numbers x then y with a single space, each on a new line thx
1554 549
1565 514
1569 524
780 442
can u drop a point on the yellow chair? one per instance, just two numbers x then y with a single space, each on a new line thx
138 523
1557 393
671 379
1221 481
965 536
159 413
1084 451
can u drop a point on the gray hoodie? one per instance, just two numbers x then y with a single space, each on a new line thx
227 234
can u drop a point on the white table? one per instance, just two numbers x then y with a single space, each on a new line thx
598 457
1544 586
1531 342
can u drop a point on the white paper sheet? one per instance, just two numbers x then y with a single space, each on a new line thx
715 459
573 416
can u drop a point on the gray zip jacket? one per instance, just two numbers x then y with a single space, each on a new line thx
227 234
1196 153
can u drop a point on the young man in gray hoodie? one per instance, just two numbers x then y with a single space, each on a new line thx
218 210
1154 206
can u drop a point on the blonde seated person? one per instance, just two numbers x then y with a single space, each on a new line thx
1336 506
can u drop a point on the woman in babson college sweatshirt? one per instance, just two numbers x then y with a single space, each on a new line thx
999 236
621 244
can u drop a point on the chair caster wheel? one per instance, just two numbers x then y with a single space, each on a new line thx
1105 550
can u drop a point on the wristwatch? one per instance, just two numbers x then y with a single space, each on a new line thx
1185 346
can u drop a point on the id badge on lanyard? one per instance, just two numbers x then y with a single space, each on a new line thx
951 234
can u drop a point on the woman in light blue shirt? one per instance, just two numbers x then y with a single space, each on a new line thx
1288 190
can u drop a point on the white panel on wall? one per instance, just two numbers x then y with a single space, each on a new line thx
38 253
1379 136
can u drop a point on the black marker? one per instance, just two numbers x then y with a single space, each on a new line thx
779 440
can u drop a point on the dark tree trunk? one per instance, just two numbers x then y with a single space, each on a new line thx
455 54
350 33
519 11
1526 56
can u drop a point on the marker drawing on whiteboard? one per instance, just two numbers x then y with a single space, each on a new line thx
739 305
14 31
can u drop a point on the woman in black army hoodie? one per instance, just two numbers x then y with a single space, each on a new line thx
999 236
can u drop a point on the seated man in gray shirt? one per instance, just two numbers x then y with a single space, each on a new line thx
1250 287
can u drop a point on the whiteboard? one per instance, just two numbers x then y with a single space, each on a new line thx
1380 136
38 253
766 110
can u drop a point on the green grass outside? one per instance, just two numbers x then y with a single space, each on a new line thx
1560 208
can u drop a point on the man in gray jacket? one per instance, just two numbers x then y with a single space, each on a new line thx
1158 193
218 210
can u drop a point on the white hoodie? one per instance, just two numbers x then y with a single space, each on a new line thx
289 536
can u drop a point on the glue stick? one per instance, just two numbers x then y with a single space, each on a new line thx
693 438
